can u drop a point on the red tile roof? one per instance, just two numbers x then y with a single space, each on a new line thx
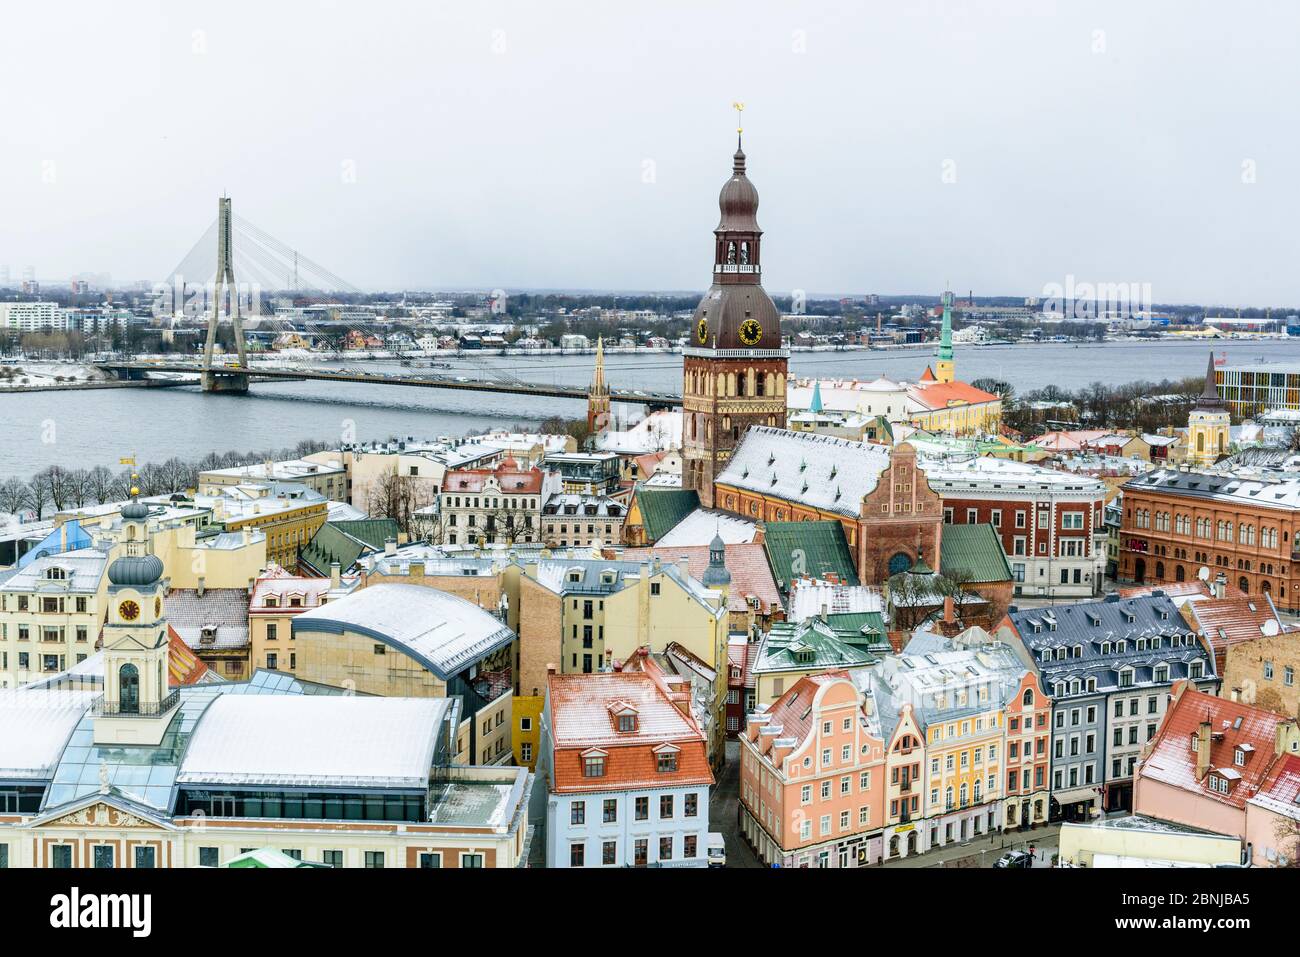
1232 725
747 563
1230 621
1282 784
583 718
1179 590
792 712
183 666
942 395
508 475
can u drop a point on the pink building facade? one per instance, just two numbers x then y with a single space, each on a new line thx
812 778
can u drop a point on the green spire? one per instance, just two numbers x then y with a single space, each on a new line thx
945 344
817 396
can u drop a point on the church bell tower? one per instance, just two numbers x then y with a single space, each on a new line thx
735 366
1207 426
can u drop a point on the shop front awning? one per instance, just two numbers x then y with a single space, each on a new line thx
1075 795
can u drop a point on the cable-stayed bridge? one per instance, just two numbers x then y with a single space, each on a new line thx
234 260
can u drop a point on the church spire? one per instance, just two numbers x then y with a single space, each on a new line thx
598 392
1209 398
943 369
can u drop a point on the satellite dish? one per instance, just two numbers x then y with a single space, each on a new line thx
1203 574
1270 627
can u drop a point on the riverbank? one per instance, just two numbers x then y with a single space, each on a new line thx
99 384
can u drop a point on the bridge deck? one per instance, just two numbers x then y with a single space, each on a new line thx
429 382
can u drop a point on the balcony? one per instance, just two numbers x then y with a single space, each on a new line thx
113 709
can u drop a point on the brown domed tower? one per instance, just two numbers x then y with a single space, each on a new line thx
734 367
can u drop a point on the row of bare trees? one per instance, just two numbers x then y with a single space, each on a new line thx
56 488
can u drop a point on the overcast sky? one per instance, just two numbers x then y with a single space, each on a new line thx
582 145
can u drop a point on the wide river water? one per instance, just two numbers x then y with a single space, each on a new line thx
92 427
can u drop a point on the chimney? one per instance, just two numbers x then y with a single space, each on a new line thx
949 617
417 569
1286 739
1220 585
822 613
390 546
336 574
1202 750
202 586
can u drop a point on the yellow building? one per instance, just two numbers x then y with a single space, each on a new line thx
414 641
1142 842
51 611
278 597
1208 424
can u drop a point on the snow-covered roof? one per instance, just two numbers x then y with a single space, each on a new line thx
83 569
656 432
809 596
701 525
36 726
948 474
443 632
819 471
326 741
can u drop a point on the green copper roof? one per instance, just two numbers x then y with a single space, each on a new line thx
812 549
811 645
816 396
975 550
663 508
345 542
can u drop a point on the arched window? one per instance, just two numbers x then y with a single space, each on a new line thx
1160 570
1200 441
899 563
1244 584
1028 699
128 689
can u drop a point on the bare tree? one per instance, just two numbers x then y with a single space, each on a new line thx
103 486
399 497
38 495
907 601
79 487
13 495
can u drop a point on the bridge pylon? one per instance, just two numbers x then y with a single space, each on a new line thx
219 379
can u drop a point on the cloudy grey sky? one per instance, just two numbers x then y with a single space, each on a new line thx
582 144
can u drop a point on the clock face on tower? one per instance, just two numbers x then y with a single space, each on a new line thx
750 332
702 331
129 610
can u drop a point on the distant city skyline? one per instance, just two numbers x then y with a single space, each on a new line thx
1001 147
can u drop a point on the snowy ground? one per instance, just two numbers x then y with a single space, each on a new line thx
27 373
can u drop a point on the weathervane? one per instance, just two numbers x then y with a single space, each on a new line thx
739 108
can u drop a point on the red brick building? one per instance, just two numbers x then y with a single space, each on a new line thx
734 370
889 513
1050 521
1175 523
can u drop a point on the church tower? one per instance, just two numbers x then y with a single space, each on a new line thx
1207 426
598 393
734 368
944 369
137 706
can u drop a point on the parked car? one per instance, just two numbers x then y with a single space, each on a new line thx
1014 859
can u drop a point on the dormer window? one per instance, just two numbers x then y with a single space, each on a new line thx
1126 678
1162 673
666 758
1195 743
272 601
1239 757
295 602
1196 669
626 722
56 574
593 763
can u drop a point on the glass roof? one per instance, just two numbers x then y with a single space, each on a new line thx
148 774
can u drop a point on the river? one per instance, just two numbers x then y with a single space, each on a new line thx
86 428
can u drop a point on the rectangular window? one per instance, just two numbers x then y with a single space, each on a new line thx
665 806
640 852
374 859
578 812
609 853
666 848
430 860
471 861
689 845
102 854
332 858
643 808
61 855
609 813
145 857
577 855
691 805
209 857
